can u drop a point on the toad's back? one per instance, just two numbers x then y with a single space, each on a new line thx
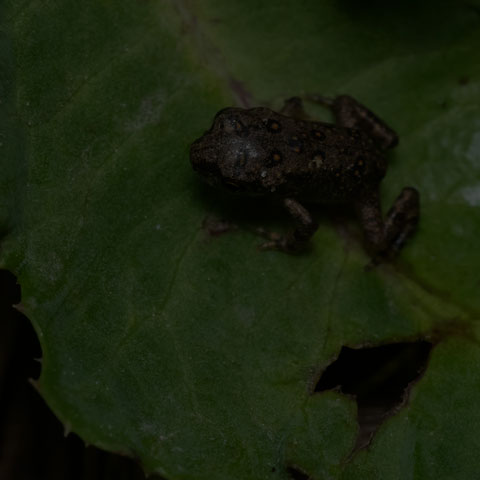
261 151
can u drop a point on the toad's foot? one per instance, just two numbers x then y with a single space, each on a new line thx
277 241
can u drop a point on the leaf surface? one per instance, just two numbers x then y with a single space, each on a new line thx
199 355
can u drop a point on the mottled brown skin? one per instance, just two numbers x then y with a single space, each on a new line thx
259 151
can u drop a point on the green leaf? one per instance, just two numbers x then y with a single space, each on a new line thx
198 355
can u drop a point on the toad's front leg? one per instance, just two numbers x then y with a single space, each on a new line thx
296 239
384 239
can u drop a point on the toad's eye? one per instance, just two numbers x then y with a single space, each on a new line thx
234 125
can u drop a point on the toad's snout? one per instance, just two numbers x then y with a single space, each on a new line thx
203 156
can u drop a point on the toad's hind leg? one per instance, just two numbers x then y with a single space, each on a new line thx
384 239
350 113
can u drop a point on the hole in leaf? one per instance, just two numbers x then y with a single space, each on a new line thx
296 474
378 377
